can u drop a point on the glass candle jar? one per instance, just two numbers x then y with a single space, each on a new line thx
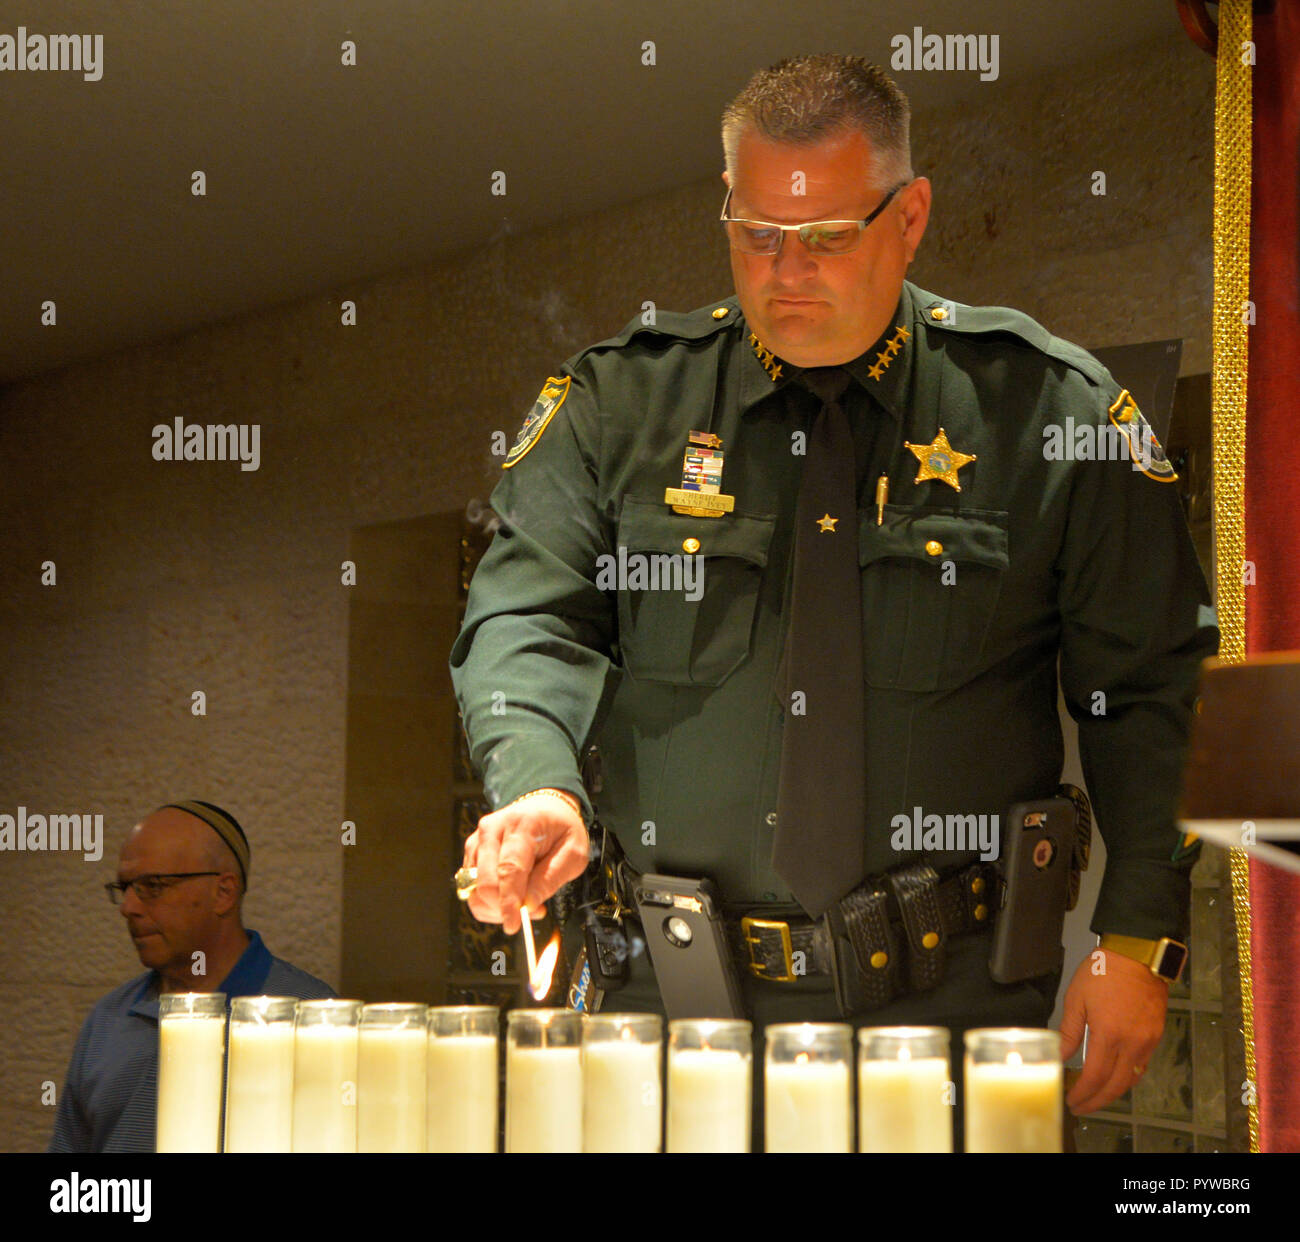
1013 1085
463 1060
392 1077
191 1059
710 1071
259 1074
808 1087
905 1093
325 1075
622 1099
543 1080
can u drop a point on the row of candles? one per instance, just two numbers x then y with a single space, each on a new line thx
340 1076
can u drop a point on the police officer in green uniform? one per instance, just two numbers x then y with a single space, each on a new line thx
983 558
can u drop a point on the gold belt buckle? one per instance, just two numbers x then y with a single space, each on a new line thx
760 968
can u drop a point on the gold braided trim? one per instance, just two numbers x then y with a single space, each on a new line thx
1232 152
1238 862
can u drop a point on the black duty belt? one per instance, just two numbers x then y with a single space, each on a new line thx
905 913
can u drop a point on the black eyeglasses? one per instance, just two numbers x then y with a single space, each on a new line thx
150 887
820 236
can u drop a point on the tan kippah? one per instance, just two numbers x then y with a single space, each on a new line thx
225 825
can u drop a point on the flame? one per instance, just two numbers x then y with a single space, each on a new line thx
540 983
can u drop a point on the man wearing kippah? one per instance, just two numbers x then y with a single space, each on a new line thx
181 880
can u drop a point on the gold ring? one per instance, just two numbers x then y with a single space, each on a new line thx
466 880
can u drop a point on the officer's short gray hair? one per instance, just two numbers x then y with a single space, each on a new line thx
806 99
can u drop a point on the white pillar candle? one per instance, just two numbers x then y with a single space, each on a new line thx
807 1091
259 1075
806 1107
902 1106
1013 1108
1013 1091
325 1076
462 1108
191 1059
392 1078
543 1081
622 1097
543 1100
905 1095
709 1084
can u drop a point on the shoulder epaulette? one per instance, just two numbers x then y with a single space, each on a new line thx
693 325
949 316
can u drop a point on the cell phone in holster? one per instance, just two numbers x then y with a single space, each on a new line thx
1038 847
684 931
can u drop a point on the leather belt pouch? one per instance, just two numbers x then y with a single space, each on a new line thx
866 964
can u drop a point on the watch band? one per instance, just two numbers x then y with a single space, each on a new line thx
1164 958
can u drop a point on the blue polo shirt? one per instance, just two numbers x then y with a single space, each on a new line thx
109 1100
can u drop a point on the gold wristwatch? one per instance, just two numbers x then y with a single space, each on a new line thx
1164 958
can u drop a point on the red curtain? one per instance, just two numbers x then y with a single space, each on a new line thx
1273 524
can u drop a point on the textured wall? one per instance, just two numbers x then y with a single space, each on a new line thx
174 577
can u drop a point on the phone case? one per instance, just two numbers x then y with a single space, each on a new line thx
1037 849
688 948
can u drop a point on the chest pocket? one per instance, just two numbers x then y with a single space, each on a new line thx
683 624
930 584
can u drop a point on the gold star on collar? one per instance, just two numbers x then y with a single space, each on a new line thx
939 460
827 524
767 359
893 347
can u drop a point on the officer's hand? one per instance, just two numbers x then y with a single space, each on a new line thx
524 852
1123 1005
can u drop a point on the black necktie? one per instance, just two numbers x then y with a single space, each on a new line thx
821 808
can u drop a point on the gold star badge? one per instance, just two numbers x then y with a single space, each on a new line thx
827 523
939 460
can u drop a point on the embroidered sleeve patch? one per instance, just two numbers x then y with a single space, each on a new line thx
548 401
1144 449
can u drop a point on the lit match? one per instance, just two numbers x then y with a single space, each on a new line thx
526 926
540 970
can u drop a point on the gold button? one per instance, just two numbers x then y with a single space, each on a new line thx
690 545
977 884
930 939
933 547
720 312
939 312
879 958
981 911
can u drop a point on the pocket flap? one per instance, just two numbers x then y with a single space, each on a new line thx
645 526
978 537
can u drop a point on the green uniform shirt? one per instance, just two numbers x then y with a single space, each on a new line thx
969 598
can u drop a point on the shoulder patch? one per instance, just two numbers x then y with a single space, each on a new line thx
1144 449
548 401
